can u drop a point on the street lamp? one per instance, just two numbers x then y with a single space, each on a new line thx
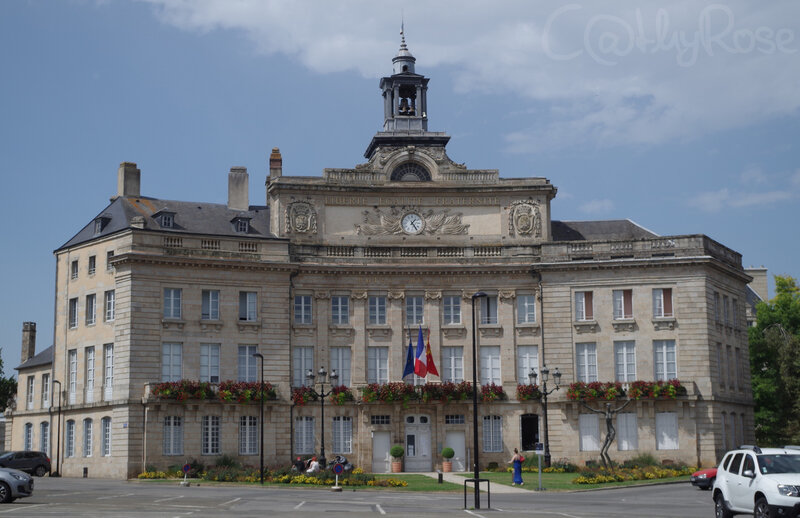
557 378
321 394
58 433
477 295
261 420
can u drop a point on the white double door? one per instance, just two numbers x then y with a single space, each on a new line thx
418 443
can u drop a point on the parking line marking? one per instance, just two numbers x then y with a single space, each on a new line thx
115 496
474 514
380 509
298 506
165 499
25 508
230 501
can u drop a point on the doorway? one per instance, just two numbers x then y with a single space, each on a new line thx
381 463
418 443
457 441
529 433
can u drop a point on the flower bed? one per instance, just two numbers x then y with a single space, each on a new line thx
581 391
603 476
303 395
341 395
239 391
389 392
656 389
430 392
595 390
528 392
244 391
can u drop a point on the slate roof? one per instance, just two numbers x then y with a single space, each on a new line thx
609 230
189 218
43 358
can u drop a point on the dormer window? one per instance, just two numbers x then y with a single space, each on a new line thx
100 223
241 224
165 218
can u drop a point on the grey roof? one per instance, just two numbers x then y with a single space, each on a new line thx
610 230
751 297
43 358
189 218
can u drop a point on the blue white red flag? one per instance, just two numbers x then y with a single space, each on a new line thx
420 364
409 368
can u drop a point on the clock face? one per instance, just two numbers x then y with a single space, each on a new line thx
412 223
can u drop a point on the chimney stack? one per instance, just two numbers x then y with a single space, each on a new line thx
238 185
760 283
275 163
129 179
28 341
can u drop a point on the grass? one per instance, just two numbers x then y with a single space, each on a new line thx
563 481
418 483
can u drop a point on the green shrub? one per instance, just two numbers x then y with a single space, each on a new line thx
448 453
643 459
397 451
492 466
227 461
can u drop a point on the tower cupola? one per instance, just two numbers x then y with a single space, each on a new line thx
403 62
404 94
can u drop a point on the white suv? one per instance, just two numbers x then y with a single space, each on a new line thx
761 481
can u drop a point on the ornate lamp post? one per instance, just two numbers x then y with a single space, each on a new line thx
545 376
58 433
261 419
475 446
321 394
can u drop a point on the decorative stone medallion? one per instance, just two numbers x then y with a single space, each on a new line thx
525 219
301 218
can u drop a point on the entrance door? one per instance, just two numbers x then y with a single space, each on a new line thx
529 431
457 441
381 463
418 443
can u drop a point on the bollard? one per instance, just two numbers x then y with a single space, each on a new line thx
85 472
441 478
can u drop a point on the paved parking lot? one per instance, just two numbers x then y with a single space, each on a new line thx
119 499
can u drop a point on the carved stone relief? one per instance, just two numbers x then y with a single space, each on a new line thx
506 294
359 295
396 295
301 218
433 295
525 219
322 294
379 222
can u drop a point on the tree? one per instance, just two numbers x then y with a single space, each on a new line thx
775 365
8 387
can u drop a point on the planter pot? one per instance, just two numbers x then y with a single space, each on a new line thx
397 466
447 466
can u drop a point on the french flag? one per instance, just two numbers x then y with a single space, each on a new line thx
420 364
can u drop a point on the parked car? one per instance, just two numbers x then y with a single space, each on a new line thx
14 484
33 462
762 481
704 478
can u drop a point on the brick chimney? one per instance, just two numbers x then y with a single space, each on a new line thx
275 163
129 179
238 189
28 341
760 283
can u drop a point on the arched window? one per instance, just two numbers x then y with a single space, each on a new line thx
410 172
28 439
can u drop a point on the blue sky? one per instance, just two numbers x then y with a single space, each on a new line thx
683 116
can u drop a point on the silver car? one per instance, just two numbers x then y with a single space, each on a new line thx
14 484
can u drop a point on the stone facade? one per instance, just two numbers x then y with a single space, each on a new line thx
343 271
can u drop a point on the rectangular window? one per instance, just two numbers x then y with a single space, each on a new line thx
666 431
73 313
304 435
453 364
173 435
628 438
92 264
731 367
340 362
738 369
72 375
89 397
526 309
109 257
44 437
380 419
210 309
340 310
105 428
377 364
662 302
69 439
452 310
302 362
489 310
589 428
46 390
302 309
726 309
248 370
28 438
209 363
492 433
735 311
720 366
625 360
74 269
210 435
414 311
87 437
724 433
716 308
664 360
91 309
248 301
527 360
584 308
586 362
171 362
30 396
172 303
377 310
110 305
454 419
248 435
623 304
342 434
108 382
490 365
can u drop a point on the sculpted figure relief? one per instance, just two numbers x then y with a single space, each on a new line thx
525 219
301 218
379 222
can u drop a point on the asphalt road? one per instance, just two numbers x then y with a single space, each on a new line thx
68 497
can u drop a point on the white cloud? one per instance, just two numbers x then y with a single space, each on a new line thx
715 201
628 73
712 201
753 176
598 206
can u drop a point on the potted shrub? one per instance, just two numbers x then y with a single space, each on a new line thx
397 453
447 463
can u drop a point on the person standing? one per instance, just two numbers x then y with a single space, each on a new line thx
516 463
313 466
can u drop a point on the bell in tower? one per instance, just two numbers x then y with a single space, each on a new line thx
404 94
